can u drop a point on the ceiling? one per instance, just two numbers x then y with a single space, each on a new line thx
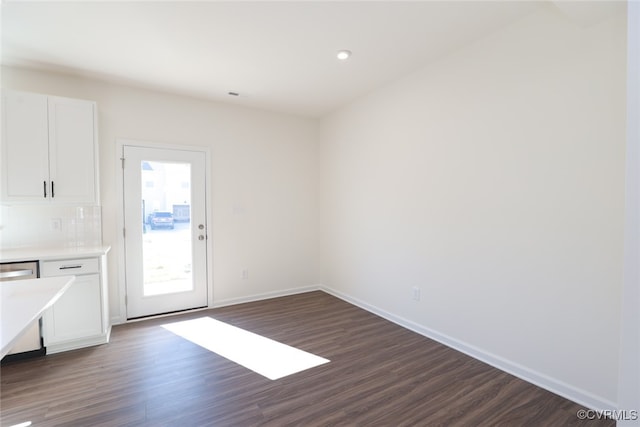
279 56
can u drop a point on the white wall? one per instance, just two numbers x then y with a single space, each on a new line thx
493 181
629 386
264 173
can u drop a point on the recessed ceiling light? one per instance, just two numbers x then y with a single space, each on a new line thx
343 55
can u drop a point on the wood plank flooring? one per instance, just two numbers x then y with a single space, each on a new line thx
380 374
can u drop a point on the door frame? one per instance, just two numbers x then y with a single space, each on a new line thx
121 288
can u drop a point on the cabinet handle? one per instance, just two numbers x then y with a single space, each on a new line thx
53 191
44 186
67 267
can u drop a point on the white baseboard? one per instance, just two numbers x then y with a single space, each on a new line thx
118 320
267 295
553 385
79 343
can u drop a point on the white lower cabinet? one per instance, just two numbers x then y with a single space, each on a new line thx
79 318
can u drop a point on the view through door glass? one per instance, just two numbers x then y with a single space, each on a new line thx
165 230
166 247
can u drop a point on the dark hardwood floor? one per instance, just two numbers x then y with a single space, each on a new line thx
379 375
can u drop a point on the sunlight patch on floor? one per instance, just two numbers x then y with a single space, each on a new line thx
262 355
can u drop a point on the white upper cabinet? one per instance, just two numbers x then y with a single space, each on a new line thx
72 150
49 149
25 146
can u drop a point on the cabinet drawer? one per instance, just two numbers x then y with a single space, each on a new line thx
69 267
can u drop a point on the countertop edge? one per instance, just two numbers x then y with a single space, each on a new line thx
50 254
25 307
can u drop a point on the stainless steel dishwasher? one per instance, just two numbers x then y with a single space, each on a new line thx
30 344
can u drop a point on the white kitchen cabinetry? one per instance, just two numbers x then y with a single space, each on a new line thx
80 317
49 149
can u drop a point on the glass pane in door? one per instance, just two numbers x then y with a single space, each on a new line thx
166 227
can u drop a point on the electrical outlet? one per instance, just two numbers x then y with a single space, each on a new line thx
415 293
56 224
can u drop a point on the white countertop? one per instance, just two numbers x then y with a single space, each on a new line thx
23 301
44 254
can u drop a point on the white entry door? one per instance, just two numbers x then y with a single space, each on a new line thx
165 230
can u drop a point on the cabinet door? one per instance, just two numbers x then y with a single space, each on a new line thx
72 150
25 152
77 314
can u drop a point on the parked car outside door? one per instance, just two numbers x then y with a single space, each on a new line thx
160 220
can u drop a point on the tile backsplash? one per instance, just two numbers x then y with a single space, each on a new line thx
26 226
